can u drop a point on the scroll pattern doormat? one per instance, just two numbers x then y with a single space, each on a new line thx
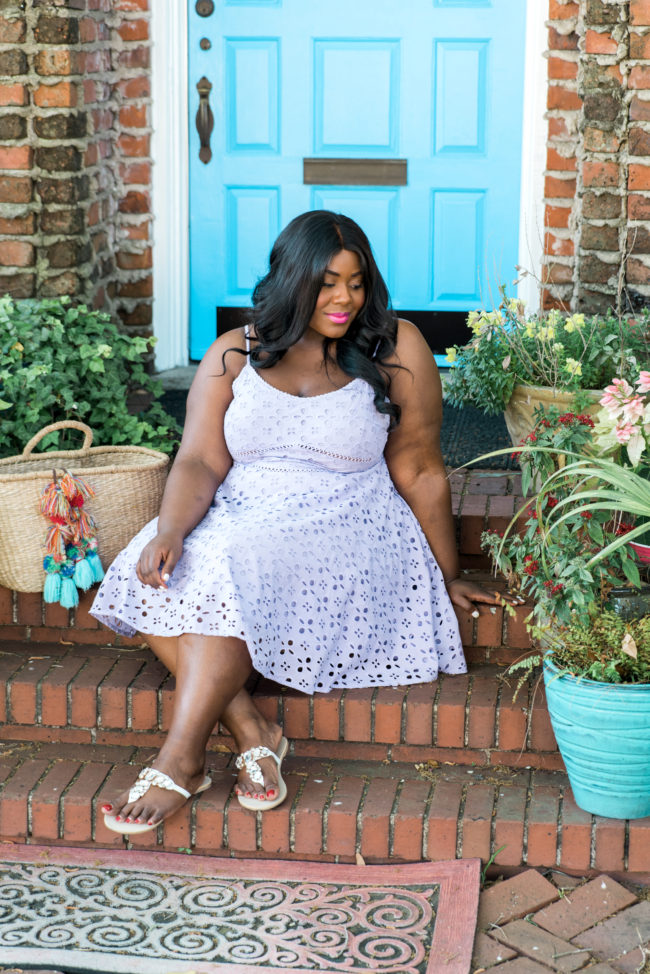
150 913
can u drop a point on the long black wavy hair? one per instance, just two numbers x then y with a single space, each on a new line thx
284 301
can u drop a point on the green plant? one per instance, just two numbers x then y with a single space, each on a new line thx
608 649
59 361
570 353
558 562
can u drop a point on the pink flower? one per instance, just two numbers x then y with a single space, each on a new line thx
643 383
624 432
633 409
616 396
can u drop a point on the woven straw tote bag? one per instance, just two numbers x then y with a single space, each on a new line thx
128 483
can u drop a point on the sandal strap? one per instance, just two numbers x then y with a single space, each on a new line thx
249 759
149 777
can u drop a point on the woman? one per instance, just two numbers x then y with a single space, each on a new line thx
306 527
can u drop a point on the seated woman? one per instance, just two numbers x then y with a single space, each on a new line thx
306 528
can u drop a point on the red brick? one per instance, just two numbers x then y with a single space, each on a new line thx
621 934
610 844
522 965
113 692
16 157
242 827
442 820
597 42
13 94
562 69
23 700
296 715
276 824
585 907
638 177
557 246
143 693
512 718
640 13
576 835
482 711
46 797
639 46
539 945
327 709
562 99
54 691
557 188
78 802
489 626
557 216
6 596
477 821
55 616
342 817
639 77
600 173
375 818
542 737
450 711
407 830
487 952
84 706
559 10
514 898
419 713
29 608
356 715
9 664
639 845
15 794
543 825
509 825
309 816
82 617
210 814
516 633
60 95
388 714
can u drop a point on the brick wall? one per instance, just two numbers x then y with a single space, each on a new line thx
75 166
597 215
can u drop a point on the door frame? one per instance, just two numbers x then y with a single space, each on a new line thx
170 122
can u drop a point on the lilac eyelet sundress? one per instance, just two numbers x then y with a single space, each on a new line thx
307 553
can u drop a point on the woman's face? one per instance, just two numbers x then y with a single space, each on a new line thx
341 297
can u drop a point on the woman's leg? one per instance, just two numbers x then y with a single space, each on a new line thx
242 719
210 672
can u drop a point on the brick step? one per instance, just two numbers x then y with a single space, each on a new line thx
51 793
91 695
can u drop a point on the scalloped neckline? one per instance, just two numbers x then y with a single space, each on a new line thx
292 395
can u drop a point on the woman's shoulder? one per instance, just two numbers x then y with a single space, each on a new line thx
224 356
411 348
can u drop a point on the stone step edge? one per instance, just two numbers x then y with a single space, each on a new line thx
334 812
122 699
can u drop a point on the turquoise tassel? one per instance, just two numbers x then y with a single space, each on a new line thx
93 560
84 576
52 588
69 596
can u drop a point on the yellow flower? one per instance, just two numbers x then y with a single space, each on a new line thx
474 321
554 317
574 322
18 347
530 331
573 367
451 354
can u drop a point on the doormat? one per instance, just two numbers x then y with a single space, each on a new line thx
81 910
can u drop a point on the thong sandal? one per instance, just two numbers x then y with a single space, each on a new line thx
248 761
147 778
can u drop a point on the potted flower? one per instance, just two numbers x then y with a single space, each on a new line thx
623 430
571 556
516 362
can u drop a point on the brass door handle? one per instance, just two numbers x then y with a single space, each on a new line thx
204 119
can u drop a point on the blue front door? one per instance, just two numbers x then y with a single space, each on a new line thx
418 108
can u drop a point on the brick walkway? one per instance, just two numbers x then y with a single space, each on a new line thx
529 925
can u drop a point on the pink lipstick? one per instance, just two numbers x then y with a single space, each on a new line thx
339 319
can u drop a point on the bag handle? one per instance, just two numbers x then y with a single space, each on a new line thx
65 424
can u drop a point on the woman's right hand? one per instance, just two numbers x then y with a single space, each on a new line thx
158 559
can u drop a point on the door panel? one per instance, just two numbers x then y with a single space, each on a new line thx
438 85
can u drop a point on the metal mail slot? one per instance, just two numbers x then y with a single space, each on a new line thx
354 172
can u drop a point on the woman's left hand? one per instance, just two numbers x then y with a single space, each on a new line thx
466 594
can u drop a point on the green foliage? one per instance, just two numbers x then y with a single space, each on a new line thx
609 649
59 362
571 353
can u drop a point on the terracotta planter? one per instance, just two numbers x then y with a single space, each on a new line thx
519 413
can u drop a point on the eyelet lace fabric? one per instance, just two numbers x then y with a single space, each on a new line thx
308 553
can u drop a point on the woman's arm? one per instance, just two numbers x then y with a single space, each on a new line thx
201 464
415 460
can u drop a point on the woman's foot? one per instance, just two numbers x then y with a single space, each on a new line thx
259 733
157 804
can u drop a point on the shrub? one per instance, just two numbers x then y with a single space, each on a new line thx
59 362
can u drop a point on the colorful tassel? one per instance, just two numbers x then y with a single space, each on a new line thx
71 559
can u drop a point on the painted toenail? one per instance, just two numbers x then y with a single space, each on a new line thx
118 818
106 808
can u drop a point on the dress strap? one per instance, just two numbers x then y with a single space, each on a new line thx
248 338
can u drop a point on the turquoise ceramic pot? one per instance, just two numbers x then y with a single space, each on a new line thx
603 733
